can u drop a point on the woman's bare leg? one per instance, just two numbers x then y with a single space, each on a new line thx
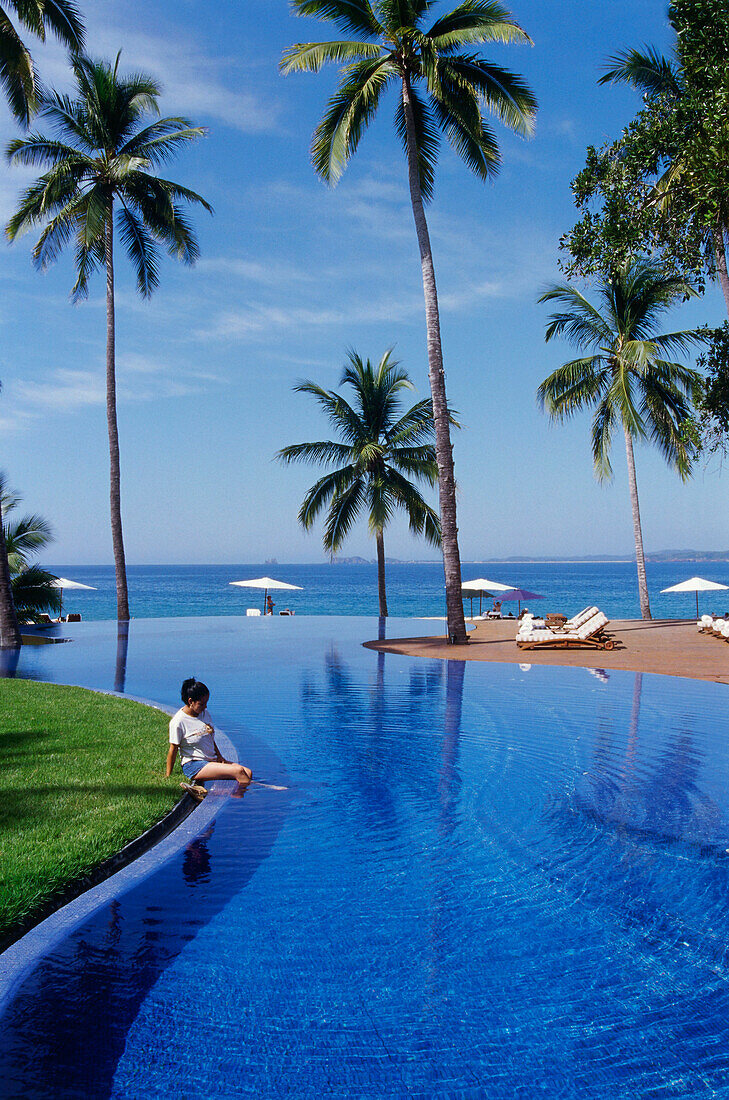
241 774
215 770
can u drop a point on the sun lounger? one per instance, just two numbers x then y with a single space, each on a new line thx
253 612
590 634
581 618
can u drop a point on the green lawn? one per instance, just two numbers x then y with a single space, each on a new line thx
80 775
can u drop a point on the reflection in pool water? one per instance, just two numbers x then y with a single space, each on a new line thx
483 882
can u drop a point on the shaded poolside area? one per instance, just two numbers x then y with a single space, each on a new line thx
670 647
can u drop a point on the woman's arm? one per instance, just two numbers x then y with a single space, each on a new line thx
221 758
171 757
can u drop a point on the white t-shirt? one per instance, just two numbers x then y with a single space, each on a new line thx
191 736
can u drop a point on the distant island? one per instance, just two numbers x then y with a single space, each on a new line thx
523 559
655 556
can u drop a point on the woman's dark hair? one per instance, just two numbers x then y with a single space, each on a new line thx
193 690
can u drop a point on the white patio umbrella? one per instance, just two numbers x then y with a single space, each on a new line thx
482 587
64 582
266 583
697 584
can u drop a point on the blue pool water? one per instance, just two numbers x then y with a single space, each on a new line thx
485 880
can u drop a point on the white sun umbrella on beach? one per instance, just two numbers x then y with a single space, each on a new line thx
697 584
267 583
64 582
482 587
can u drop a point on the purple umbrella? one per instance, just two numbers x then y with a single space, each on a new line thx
520 594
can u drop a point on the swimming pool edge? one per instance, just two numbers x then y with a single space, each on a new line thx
144 859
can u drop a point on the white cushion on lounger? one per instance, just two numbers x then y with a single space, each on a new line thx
577 620
719 625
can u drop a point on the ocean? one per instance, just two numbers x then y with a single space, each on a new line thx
413 588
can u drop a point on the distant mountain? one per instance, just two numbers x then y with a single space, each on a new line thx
655 556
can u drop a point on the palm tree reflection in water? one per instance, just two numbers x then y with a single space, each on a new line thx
122 649
660 800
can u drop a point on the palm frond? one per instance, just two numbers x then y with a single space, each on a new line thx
17 72
504 94
347 115
34 593
158 142
63 19
323 490
140 248
457 111
345 509
666 410
415 426
473 22
341 414
581 323
419 462
602 431
354 16
573 386
25 537
310 57
324 451
427 139
648 72
422 518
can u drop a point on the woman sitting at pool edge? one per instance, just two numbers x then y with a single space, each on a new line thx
192 735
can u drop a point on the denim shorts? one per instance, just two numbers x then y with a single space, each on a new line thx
192 767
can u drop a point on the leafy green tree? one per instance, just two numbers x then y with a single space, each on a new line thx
32 587
623 375
109 143
382 448
663 186
443 87
17 71
712 403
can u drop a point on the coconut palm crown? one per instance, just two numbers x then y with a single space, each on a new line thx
382 448
32 587
100 177
443 87
624 376
17 71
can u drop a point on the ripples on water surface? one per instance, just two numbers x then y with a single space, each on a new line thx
484 881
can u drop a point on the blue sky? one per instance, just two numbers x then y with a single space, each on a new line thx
293 273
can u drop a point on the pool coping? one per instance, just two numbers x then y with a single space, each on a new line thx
21 957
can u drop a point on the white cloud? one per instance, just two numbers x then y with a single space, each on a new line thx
193 82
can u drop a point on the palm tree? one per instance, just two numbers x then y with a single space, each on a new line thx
382 449
623 376
103 154
17 72
442 86
32 587
9 628
18 79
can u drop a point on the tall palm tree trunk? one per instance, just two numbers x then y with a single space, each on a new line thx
122 595
720 259
380 540
9 629
443 447
645 607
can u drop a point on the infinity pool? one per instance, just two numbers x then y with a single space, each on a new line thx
484 881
